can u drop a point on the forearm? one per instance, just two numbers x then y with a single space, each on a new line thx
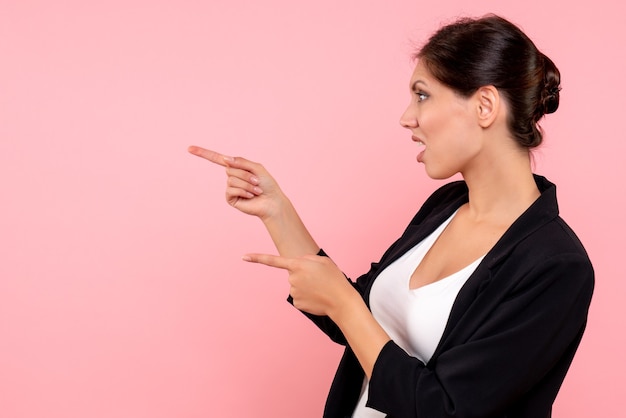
363 333
290 236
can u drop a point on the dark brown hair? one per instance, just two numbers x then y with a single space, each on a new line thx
471 53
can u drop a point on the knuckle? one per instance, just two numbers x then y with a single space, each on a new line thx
239 161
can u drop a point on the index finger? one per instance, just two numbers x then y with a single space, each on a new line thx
214 157
270 260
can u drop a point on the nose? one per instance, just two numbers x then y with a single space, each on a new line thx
408 119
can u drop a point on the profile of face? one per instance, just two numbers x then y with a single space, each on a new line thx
444 125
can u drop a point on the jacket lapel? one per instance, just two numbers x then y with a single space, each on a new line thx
543 210
418 229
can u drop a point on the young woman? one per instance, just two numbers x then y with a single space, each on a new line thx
478 308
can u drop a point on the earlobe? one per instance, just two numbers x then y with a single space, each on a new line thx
488 105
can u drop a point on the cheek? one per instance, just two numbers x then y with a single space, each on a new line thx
456 142
451 133
434 124
461 129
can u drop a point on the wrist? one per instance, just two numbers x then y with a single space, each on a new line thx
348 307
278 211
287 231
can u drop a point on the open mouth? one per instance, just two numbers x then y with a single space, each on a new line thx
422 147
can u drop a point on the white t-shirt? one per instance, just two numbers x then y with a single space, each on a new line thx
413 318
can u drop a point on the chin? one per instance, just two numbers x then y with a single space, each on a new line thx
439 174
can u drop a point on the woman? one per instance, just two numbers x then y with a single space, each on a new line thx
478 308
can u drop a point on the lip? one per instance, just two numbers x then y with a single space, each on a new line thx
420 156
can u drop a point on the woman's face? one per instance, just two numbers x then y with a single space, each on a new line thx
443 124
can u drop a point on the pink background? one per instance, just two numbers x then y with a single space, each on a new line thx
122 293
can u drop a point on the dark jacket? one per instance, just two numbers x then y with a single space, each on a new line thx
512 332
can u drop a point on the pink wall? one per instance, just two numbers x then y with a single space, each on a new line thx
122 293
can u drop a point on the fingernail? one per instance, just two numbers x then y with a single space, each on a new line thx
229 159
254 180
246 258
258 190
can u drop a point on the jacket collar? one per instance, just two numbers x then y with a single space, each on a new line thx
543 210
540 212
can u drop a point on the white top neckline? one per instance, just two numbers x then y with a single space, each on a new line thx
414 318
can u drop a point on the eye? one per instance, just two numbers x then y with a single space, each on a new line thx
421 96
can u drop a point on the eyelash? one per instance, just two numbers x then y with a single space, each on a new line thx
421 96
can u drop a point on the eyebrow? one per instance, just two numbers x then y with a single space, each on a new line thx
416 82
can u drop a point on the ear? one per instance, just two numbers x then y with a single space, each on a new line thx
488 105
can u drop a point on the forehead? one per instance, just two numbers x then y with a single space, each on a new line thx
421 76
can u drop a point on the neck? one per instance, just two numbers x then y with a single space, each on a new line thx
502 188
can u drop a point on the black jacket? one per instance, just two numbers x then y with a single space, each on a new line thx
512 332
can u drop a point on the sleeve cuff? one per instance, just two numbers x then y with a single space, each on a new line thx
393 381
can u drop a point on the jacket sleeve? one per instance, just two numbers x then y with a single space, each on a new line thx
527 339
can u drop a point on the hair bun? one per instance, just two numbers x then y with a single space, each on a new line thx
550 100
550 95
